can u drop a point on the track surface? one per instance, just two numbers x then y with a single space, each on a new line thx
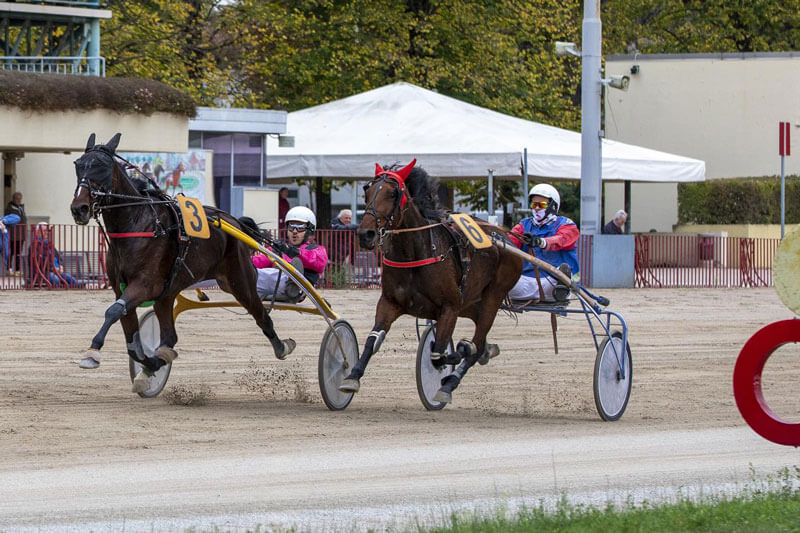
79 451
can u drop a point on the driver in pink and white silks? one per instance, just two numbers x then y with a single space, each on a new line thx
548 236
307 257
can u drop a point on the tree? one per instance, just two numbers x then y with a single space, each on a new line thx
178 43
694 26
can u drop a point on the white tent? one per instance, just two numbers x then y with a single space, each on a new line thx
450 139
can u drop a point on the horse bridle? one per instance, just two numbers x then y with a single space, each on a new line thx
399 201
97 193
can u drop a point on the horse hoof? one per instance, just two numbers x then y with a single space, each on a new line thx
141 382
166 354
288 347
91 359
350 385
492 351
442 397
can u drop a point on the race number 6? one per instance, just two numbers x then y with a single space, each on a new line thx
471 230
194 217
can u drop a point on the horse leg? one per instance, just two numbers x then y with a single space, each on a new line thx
165 353
470 351
245 293
445 324
385 315
127 301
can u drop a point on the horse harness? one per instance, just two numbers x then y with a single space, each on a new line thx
460 243
96 211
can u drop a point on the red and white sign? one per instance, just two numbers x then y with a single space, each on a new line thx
784 142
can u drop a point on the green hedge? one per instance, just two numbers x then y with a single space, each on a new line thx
738 201
56 92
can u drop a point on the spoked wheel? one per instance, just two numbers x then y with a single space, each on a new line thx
611 390
337 356
429 377
150 336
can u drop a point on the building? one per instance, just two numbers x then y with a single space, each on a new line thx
721 108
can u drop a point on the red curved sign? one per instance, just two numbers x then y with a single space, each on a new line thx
747 382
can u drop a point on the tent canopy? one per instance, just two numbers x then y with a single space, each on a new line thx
450 139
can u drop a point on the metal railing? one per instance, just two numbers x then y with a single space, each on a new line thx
79 65
692 260
661 260
59 256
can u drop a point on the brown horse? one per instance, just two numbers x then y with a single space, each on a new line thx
153 259
425 275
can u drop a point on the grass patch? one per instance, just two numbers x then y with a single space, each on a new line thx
770 506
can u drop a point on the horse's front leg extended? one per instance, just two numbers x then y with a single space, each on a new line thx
125 304
385 315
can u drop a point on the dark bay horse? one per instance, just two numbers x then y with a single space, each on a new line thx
425 274
154 259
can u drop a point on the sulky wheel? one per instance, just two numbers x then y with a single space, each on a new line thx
611 391
338 353
429 377
150 337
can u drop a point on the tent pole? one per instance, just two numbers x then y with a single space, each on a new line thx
490 193
354 201
627 205
525 179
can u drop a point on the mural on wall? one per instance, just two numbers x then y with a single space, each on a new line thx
174 173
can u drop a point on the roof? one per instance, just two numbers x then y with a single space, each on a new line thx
450 139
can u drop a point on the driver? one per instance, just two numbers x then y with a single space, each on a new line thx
548 236
307 257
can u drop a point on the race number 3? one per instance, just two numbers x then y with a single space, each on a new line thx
471 230
194 217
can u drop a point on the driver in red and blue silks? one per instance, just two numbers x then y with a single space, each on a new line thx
548 236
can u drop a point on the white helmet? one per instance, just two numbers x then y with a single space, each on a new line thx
302 214
548 191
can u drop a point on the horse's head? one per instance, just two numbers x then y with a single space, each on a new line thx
385 198
95 170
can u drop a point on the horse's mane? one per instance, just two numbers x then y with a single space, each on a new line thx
424 191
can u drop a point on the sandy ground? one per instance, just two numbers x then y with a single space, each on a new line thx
79 450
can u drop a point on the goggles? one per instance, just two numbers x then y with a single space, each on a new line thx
300 228
539 205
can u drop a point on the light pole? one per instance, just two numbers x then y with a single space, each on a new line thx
591 96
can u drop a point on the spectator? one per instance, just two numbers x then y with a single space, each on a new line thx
617 224
306 257
46 259
551 238
16 207
6 233
283 206
342 243
343 220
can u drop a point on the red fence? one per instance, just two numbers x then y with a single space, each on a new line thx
56 256
691 260
74 257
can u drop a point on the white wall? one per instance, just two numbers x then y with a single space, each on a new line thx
47 183
721 108
31 131
262 206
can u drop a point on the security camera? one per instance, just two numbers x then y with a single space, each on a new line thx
565 48
620 82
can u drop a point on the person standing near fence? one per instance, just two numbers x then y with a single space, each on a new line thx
617 225
17 240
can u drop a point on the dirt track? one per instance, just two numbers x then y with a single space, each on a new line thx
79 448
